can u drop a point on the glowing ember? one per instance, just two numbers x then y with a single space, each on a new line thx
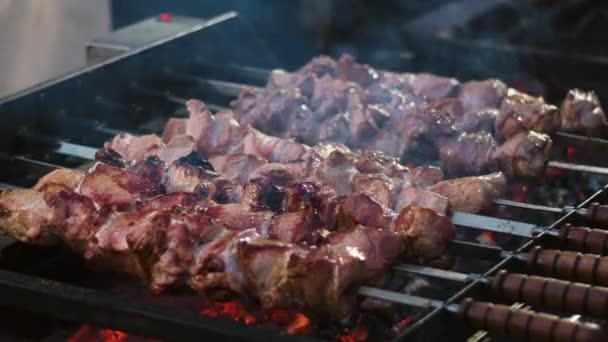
232 310
357 334
570 152
402 324
486 238
294 323
86 333
300 325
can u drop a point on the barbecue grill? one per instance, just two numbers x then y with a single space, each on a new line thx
61 123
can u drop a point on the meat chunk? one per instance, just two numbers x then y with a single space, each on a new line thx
431 86
472 194
530 112
187 173
236 216
468 154
377 186
425 176
266 269
175 127
60 179
524 155
295 227
427 236
216 269
113 187
338 171
482 120
581 112
135 148
410 195
477 95
236 167
25 215
359 208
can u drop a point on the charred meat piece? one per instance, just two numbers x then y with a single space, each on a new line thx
532 113
174 128
524 155
359 208
427 236
477 95
236 216
468 154
581 112
113 187
187 173
472 194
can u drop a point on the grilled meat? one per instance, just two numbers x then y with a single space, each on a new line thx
471 194
524 155
581 112
406 114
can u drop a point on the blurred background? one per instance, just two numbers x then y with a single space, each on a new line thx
538 44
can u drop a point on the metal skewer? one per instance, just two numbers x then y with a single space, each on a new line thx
533 290
500 318
583 239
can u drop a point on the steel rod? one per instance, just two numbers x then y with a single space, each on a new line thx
578 167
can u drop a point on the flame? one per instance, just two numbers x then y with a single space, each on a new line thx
294 322
86 333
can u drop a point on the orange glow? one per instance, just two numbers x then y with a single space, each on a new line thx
231 310
402 324
294 322
570 151
357 334
86 333
300 325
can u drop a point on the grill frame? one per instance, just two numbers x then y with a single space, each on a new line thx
39 111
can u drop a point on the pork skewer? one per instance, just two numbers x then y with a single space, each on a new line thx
533 290
502 319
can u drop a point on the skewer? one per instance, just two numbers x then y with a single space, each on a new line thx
583 239
575 266
552 293
234 89
595 214
501 318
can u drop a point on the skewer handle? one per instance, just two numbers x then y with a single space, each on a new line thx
527 324
586 268
597 214
584 239
552 293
